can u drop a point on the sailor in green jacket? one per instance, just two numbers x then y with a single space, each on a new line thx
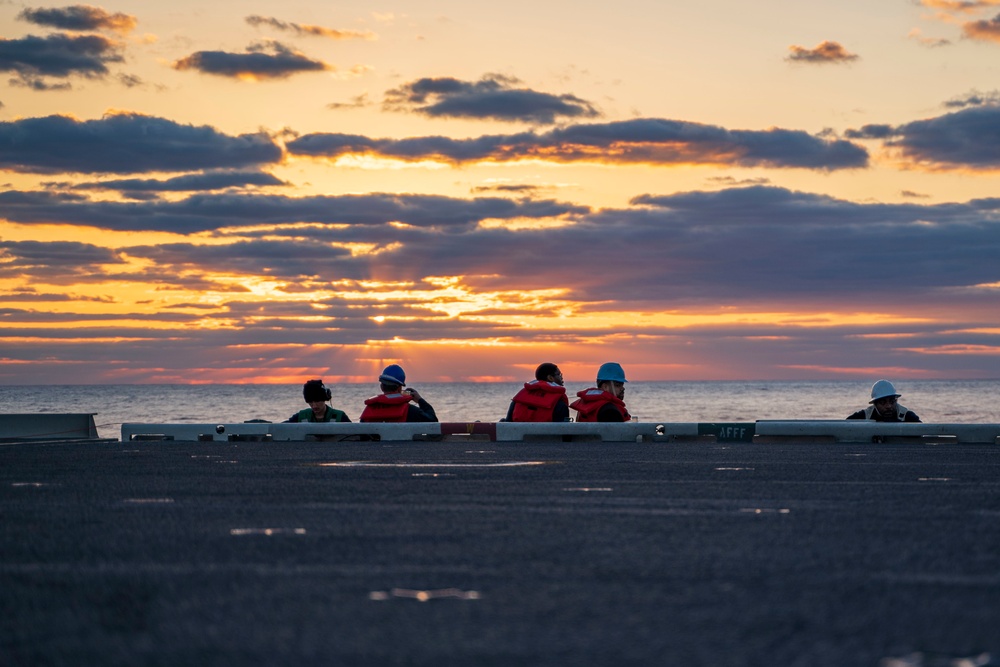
316 395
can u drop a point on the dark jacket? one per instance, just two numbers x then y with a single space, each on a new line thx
901 414
308 415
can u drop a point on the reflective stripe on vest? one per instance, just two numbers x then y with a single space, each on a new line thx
900 412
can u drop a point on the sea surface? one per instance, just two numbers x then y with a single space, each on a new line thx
942 401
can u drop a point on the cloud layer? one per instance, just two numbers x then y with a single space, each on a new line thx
80 18
32 58
969 138
263 60
125 143
307 30
759 249
492 97
823 53
642 141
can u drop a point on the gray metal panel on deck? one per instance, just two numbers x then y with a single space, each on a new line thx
865 431
280 432
219 432
319 431
604 431
47 426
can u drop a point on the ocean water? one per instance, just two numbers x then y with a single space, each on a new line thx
943 401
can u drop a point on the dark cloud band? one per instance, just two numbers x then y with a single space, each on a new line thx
59 55
969 138
492 97
187 183
642 141
79 18
271 60
200 213
126 143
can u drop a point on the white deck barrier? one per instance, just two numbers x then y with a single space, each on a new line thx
761 431
280 431
503 431
591 431
869 431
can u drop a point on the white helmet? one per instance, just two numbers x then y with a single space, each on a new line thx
882 389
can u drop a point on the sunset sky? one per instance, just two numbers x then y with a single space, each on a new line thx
210 192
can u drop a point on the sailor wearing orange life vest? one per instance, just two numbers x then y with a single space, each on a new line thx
604 403
541 400
393 404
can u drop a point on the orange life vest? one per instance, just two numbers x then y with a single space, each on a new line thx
537 400
385 408
591 401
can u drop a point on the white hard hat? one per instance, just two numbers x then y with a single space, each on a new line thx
882 389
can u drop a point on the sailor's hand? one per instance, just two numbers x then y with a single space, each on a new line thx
414 395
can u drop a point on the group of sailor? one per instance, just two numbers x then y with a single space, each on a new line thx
543 399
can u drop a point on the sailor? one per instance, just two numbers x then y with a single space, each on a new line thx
541 400
316 395
393 404
884 407
604 403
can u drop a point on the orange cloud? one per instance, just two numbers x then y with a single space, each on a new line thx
984 30
309 30
991 350
959 6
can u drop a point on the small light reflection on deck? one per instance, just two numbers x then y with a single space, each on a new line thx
920 660
379 464
148 501
423 595
268 531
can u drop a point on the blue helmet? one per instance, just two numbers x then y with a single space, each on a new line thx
393 374
611 371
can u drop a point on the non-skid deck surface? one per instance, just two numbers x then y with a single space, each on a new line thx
486 553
